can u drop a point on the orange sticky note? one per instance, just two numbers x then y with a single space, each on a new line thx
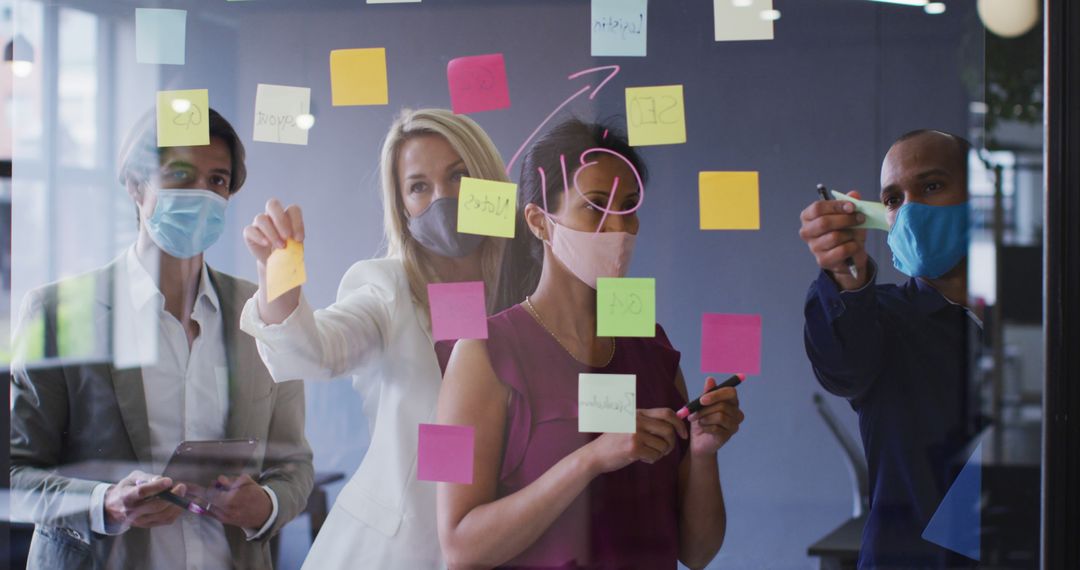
358 77
285 269
729 200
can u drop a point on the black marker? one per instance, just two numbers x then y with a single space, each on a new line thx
182 502
696 404
826 196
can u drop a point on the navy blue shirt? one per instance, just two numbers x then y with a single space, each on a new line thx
900 355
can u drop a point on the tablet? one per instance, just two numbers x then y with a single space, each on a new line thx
200 463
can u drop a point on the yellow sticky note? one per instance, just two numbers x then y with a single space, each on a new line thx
487 207
182 118
285 269
358 77
729 200
655 115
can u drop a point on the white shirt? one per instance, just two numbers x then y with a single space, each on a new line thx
384 517
187 398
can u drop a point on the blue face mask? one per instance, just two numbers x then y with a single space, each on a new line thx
928 241
186 222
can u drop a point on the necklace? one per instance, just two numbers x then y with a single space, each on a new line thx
539 319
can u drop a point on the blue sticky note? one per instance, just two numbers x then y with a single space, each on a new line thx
957 524
619 27
160 35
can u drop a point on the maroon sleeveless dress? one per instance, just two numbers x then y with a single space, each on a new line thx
624 519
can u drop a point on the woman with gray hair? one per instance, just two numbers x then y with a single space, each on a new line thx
379 332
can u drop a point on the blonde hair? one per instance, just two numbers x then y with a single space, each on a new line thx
481 159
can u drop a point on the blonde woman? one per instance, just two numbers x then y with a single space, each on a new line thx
379 332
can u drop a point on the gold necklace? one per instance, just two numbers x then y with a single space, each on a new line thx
539 319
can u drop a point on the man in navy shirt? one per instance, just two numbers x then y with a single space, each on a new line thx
900 353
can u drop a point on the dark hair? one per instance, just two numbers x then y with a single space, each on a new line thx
140 155
524 257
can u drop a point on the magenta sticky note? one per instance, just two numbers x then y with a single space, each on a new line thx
731 343
457 310
445 453
478 83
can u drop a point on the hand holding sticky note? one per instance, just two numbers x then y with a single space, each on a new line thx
445 453
626 307
182 118
487 207
285 269
655 115
607 403
874 212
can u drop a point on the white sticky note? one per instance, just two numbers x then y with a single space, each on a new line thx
276 110
875 212
619 27
742 22
607 403
160 35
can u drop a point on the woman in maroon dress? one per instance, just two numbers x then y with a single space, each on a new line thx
544 495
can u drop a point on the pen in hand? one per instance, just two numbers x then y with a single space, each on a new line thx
826 196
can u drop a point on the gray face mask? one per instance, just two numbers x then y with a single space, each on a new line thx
436 229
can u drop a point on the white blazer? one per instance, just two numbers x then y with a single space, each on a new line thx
384 517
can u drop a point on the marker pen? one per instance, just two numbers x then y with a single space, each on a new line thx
183 502
696 404
825 196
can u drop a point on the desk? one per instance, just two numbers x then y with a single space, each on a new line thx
839 550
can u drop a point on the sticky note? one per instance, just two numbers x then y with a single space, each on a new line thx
160 35
182 118
607 403
626 306
729 200
445 453
487 207
276 110
285 269
619 27
731 343
655 115
457 310
478 83
743 21
358 77
874 212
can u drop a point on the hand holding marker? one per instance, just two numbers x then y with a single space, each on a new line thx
694 406
823 192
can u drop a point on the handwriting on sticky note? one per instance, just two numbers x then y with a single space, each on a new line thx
626 306
445 453
358 77
276 110
457 310
731 343
619 27
742 21
182 118
285 269
487 207
478 83
655 115
607 403
160 36
874 211
729 200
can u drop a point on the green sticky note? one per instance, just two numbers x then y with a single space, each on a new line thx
182 118
487 207
626 306
607 403
874 212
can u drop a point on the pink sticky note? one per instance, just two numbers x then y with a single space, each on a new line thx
445 453
731 343
457 310
478 83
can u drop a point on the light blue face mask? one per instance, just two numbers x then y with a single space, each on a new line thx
186 223
928 241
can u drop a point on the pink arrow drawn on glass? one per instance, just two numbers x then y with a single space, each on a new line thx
614 69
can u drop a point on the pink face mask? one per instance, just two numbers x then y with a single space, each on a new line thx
591 255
